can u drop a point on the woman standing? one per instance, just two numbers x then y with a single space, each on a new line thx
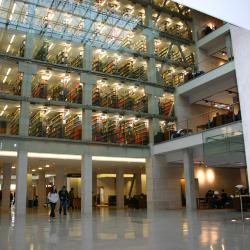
53 198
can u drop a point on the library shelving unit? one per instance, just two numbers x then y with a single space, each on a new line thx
43 51
40 90
77 61
165 106
3 126
75 93
73 127
37 124
14 122
141 133
97 128
55 126
125 132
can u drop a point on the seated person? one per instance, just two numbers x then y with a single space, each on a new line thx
224 198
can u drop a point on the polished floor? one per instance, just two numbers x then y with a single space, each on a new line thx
128 229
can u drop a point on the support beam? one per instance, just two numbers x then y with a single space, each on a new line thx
86 184
21 182
240 40
29 45
6 187
119 189
60 178
41 188
138 183
189 179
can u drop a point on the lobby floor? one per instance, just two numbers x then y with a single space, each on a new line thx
128 229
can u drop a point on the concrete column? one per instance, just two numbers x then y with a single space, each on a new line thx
21 182
6 187
86 184
29 45
229 47
189 179
29 187
94 183
88 81
240 41
119 189
28 71
163 184
148 16
138 183
41 188
88 57
60 178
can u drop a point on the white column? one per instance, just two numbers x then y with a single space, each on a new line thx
29 45
190 190
21 182
6 187
88 81
240 41
86 184
119 189
138 183
41 188
60 177
28 71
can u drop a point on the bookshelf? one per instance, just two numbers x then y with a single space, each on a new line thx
73 127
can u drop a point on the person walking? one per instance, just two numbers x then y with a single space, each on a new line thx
64 197
71 198
53 198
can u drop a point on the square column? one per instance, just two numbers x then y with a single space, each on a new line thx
29 45
240 41
88 81
138 183
28 71
41 188
119 189
6 187
60 178
21 182
190 189
86 184
29 187
88 57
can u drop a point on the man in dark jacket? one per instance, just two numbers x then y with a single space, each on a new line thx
64 197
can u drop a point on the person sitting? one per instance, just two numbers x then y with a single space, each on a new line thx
224 198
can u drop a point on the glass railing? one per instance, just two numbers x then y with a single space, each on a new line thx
197 124
206 66
208 29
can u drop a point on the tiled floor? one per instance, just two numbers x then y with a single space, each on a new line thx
114 230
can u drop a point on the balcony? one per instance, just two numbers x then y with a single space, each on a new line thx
207 84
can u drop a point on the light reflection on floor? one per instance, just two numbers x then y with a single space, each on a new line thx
116 229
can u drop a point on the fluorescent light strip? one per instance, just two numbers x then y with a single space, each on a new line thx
12 39
5 107
9 69
5 78
8 48
74 157
118 159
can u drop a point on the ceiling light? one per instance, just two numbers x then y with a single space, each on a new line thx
5 78
9 69
14 7
40 168
8 48
5 107
33 170
75 157
12 39
50 46
47 165
1 114
13 167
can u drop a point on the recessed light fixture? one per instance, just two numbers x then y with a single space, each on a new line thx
13 167
40 168
47 165
33 170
